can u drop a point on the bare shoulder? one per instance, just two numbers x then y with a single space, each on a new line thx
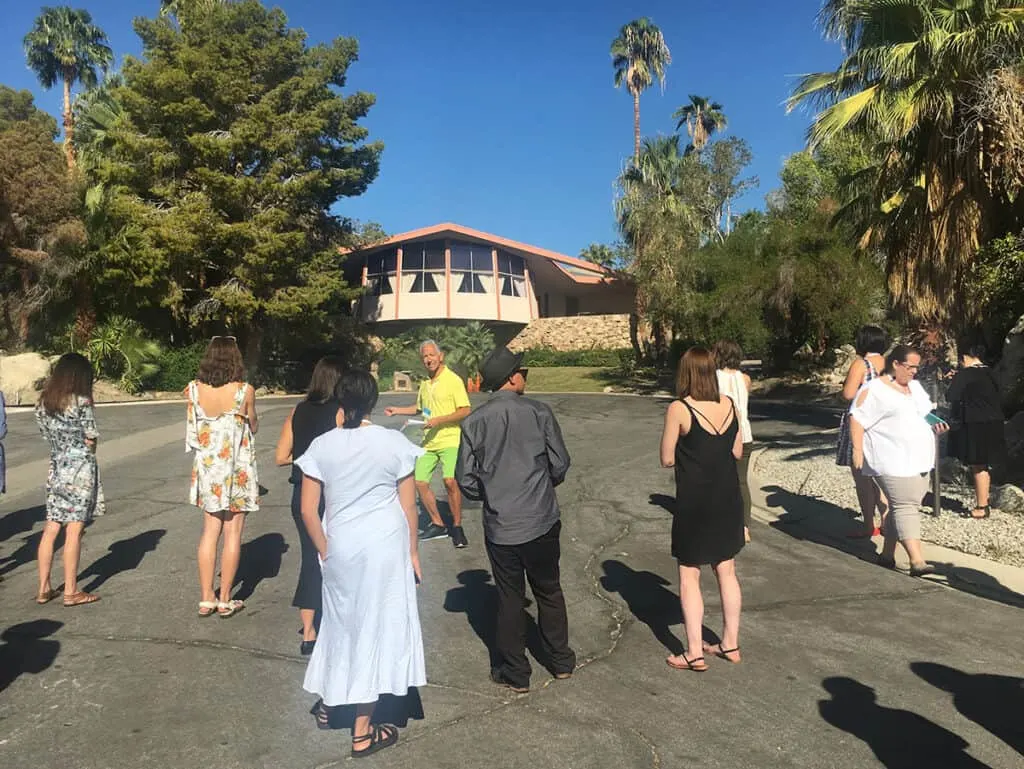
747 381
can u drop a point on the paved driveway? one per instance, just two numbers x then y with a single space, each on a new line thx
845 664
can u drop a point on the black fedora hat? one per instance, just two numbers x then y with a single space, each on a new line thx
498 366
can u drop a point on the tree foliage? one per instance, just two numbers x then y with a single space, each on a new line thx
702 118
640 56
233 142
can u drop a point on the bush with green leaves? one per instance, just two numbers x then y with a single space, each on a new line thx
540 357
119 351
465 346
178 367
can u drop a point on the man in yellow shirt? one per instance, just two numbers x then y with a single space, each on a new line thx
444 403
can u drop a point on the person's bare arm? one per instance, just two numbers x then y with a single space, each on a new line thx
746 381
250 409
406 411
407 498
857 436
449 419
670 435
854 379
310 506
737 446
283 453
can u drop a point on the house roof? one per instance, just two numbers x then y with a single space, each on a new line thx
579 270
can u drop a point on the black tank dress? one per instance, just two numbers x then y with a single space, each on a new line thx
708 524
309 421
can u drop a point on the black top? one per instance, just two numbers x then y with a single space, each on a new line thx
309 422
973 396
708 523
511 457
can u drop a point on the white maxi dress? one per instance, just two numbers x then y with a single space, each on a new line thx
369 641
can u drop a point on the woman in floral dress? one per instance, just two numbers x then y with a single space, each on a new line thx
220 427
73 493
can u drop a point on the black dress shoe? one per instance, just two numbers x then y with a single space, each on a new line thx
306 647
886 563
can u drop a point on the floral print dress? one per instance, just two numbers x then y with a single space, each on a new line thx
73 490
224 470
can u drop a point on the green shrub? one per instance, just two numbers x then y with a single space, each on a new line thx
544 356
178 367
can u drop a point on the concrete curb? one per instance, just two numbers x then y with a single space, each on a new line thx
962 571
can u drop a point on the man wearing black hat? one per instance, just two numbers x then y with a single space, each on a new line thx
511 458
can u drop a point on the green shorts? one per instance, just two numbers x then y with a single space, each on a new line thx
426 464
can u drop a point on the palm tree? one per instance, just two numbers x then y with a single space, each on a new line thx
702 117
639 55
917 83
64 45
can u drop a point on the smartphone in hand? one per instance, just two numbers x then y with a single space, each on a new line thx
935 420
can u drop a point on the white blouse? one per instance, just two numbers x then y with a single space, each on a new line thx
898 441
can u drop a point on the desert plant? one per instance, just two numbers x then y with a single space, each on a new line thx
120 351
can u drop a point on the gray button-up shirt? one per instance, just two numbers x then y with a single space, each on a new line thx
511 458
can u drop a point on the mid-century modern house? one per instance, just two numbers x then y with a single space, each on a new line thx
450 272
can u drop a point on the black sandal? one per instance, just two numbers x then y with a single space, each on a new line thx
322 715
381 736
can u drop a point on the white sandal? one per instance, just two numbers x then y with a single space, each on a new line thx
207 608
227 609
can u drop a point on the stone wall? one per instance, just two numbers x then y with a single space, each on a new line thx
581 332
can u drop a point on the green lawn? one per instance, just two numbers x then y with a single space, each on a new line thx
579 379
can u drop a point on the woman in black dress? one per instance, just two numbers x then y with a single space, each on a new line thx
702 442
977 438
317 414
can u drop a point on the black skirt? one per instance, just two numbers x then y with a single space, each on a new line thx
978 443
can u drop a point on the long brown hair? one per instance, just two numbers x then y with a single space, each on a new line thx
325 378
222 363
71 376
728 354
696 377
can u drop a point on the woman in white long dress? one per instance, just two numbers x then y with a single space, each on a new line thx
370 642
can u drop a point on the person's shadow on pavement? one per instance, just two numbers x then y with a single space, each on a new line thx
260 559
900 739
24 649
994 702
649 600
124 555
478 600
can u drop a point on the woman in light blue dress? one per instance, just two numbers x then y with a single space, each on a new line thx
370 641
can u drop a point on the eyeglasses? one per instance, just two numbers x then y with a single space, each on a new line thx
523 372
909 367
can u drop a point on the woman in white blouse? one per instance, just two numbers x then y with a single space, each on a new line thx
736 385
894 442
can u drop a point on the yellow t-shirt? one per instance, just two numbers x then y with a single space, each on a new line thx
439 397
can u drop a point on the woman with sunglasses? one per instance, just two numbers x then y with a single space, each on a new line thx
221 423
892 429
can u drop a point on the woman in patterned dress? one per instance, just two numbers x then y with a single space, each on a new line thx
73 494
221 423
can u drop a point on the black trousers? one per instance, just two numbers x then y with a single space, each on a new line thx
308 591
537 561
742 466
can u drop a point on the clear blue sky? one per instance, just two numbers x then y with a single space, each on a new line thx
503 117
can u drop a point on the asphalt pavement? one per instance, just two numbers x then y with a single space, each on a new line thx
844 664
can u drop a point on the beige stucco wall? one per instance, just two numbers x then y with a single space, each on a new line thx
583 332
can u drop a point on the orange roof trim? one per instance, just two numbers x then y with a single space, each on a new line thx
598 272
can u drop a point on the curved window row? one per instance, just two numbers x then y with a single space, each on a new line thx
423 270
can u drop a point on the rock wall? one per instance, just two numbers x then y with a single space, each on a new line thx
580 332
21 376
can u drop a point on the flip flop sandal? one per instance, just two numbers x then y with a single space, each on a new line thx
697 664
381 736
80 599
227 609
207 608
721 653
44 598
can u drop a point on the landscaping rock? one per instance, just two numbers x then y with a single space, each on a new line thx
22 377
954 472
1014 432
1010 371
581 332
1009 499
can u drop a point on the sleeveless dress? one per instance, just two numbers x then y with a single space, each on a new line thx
224 469
844 443
310 420
708 524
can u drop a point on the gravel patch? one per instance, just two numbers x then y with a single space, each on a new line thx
811 471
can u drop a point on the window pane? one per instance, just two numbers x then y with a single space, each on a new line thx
482 259
504 262
461 257
433 255
507 288
412 258
373 264
390 261
478 286
466 283
518 265
424 283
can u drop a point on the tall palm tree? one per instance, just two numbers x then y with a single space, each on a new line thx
64 45
639 55
913 83
702 117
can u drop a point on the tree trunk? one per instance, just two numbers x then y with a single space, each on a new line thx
85 312
23 313
636 128
69 125
639 329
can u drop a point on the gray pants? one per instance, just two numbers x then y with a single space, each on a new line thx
904 495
